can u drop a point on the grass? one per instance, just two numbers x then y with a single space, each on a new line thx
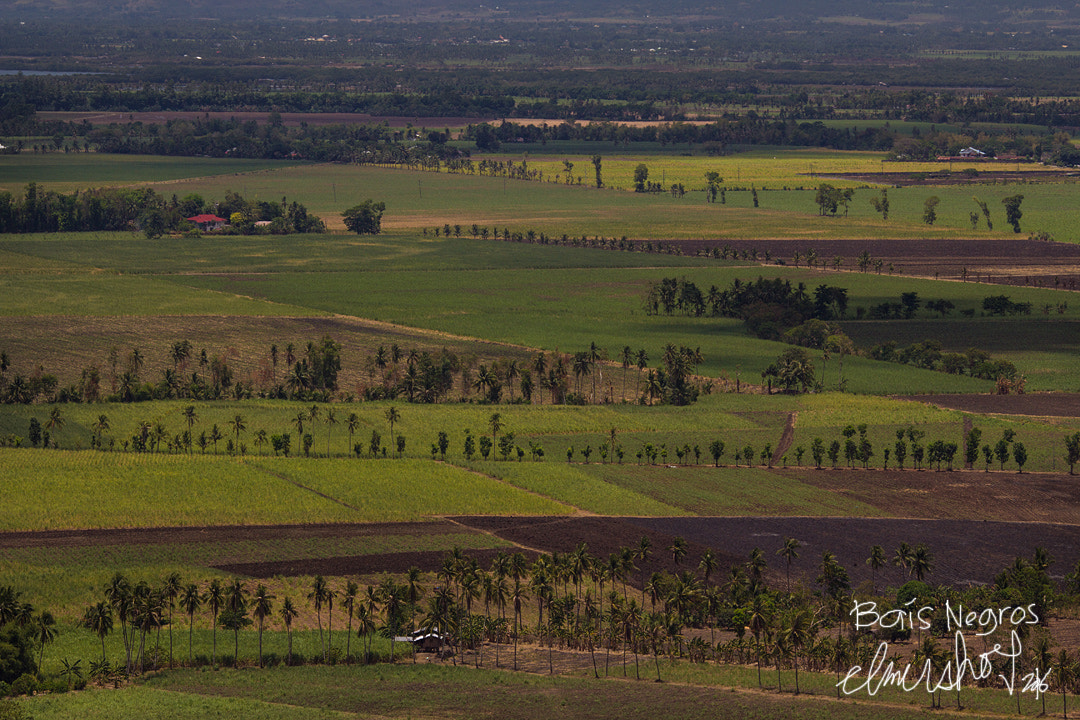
67 579
433 691
67 171
58 490
96 295
730 491
417 200
574 308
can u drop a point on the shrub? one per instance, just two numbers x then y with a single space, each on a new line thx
26 684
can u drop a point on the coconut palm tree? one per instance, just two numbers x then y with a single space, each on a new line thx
1065 676
190 601
922 562
366 613
263 605
496 424
119 595
799 630
511 372
540 366
170 591
351 424
71 671
392 601
876 561
236 605
317 597
238 426
759 621
190 416
99 427
903 557
215 599
496 593
348 602
595 354
790 551
56 423
98 619
44 632
678 550
365 624
392 417
288 614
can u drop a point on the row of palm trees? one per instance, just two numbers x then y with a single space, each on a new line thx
572 601
556 581
417 376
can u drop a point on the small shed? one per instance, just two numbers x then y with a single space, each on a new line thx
423 640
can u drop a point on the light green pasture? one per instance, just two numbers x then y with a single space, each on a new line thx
85 489
69 171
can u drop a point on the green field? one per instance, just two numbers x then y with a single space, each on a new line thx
520 294
484 299
428 691
79 170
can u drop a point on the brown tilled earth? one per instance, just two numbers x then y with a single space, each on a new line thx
1015 261
1065 405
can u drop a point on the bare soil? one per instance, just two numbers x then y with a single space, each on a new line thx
1032 404
1019 261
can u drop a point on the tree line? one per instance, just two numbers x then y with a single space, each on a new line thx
501 442
311 371
573 601
142 209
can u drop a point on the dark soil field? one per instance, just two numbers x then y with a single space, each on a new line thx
1032 404
1017 261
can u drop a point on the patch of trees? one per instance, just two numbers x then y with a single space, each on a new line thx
768 307
929 355
1002 305
365 218
115 209
311 373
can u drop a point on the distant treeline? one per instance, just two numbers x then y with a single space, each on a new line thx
112 209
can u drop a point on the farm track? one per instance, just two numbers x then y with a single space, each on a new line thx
786 438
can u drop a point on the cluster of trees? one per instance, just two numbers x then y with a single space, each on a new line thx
929 355
24 634
573 600
112 209
310 376
768 306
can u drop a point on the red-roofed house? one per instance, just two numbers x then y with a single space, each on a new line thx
208 222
